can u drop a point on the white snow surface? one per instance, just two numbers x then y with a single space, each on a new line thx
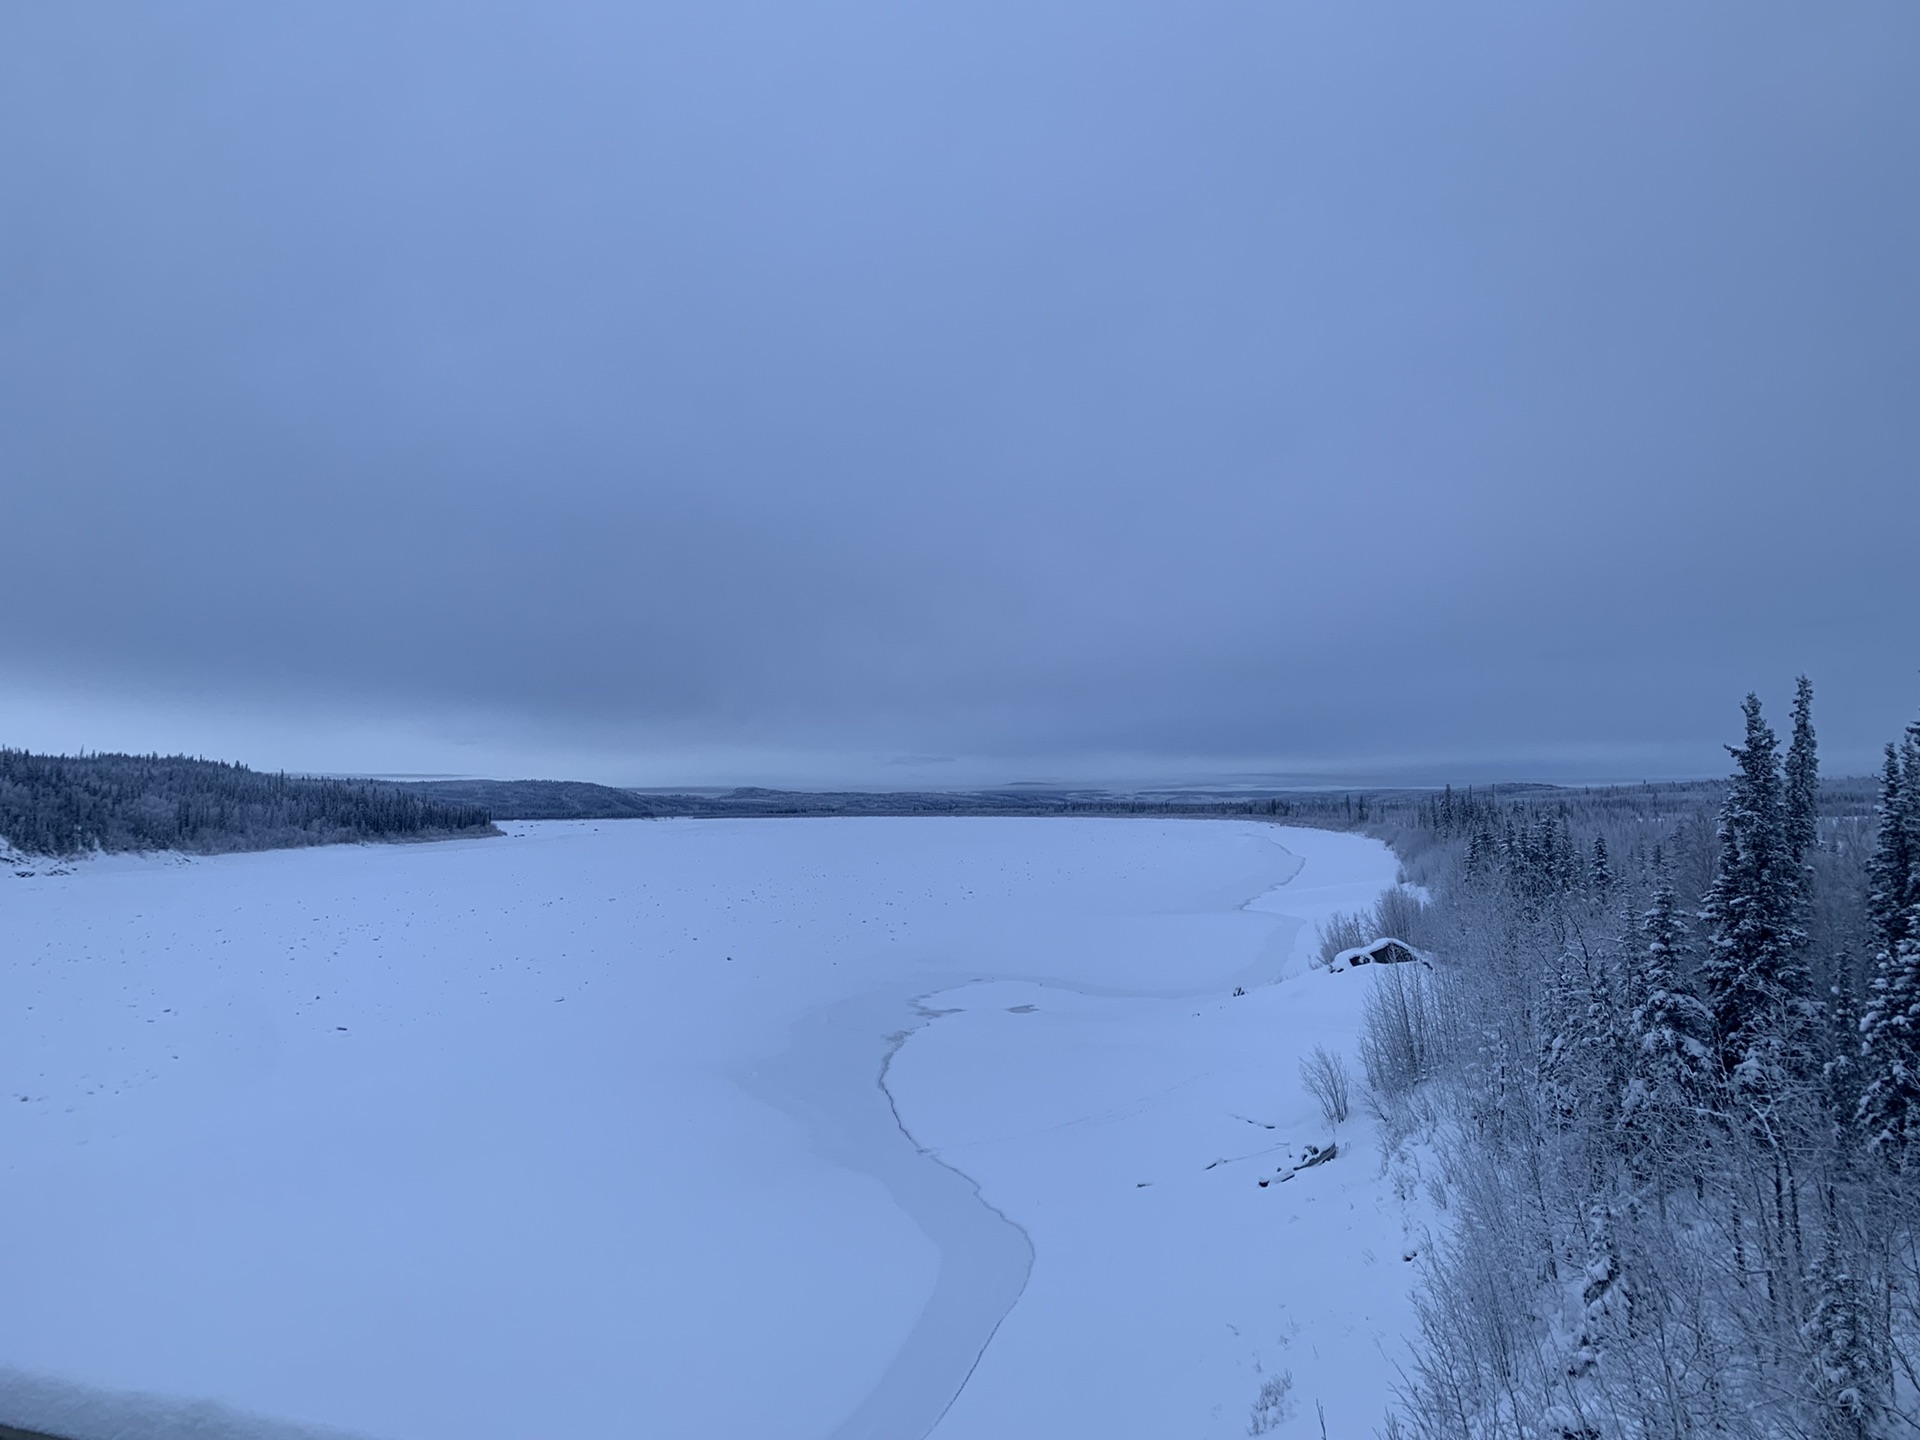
834 1128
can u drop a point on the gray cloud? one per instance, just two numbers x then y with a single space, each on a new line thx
783 391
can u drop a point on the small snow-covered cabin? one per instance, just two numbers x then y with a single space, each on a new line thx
1384 951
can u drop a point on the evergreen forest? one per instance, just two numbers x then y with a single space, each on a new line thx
1662 1078
75 804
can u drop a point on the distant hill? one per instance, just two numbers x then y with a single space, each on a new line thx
69 804
542 799
573 800
1359 807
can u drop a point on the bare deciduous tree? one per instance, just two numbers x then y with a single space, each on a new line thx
1324 1074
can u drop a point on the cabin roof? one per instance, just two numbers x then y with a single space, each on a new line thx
1377 951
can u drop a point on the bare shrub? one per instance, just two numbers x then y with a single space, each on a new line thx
1324 1074
1403 915
1401 1029
1341 931
1399 912
1273 1405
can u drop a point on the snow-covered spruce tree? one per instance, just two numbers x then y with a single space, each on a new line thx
1890 1026
1803 775
1756 976
1849 1376
1606 1298
1582 1047
1890 872
1600 871
1671 1070
1841 1071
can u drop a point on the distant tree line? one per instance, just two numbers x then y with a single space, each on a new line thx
1668 1063
575 800
70 804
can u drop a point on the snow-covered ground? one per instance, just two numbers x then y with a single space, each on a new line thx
782 1128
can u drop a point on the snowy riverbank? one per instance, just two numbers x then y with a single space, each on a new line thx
585 1129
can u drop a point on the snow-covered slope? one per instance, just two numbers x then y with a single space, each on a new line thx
582 1132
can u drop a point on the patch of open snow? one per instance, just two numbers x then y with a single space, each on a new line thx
619 1124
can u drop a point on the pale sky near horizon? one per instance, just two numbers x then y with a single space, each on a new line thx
885 393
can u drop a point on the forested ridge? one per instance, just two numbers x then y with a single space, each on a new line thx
1663 1081
574 800
71 804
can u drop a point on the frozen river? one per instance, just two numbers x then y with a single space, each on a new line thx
783 1128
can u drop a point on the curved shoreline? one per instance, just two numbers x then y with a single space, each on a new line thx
986 1257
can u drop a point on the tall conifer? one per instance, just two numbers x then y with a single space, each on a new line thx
1848 1374
1600 870
1670 1057
1755 976
1890 1025
1803 774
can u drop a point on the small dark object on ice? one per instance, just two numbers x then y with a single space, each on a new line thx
1316 1156
1239 990
1141 1184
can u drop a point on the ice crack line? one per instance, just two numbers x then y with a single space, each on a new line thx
827 1079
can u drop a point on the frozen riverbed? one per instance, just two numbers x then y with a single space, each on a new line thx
583 1131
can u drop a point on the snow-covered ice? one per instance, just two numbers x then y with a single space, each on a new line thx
583 1131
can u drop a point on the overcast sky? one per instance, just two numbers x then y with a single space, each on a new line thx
890 392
